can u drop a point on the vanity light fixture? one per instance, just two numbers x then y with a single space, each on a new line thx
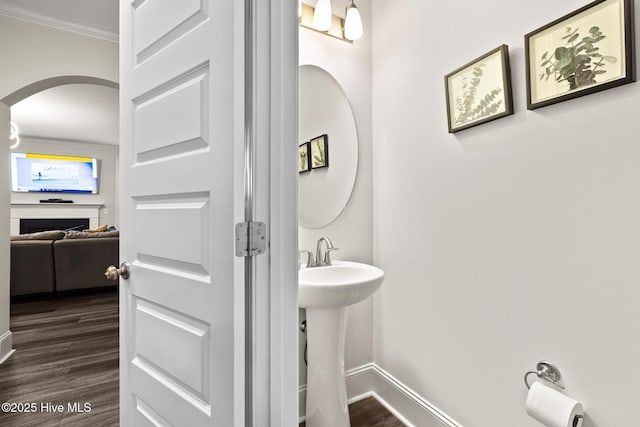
322 15
338 27
14 135
352 23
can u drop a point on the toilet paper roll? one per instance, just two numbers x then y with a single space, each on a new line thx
552 408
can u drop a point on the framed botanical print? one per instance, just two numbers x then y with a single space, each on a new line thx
479 91
319 152
586 51
304 159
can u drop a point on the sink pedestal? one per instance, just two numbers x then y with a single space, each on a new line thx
326 387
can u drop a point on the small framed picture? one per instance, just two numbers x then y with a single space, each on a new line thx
304 159
479 91
319 152
588 50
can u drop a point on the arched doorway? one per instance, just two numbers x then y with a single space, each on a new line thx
51 82
7 101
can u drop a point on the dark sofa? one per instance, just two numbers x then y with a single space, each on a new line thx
32 267
53 261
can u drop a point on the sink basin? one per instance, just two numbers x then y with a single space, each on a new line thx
340 284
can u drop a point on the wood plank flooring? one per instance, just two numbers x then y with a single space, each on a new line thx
66 352
370 413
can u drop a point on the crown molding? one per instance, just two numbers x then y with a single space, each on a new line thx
77 143
16 12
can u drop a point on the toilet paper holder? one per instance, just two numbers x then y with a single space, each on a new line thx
549 372
546 371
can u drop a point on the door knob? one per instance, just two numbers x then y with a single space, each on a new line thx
114 272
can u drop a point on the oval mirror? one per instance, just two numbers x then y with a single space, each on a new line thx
328 148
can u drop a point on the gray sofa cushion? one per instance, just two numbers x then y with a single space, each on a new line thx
42 235
81 263
90 234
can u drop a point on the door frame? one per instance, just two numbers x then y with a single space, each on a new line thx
275 53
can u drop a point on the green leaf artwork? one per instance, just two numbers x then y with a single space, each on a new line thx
467 106
579 62
303 160
319 157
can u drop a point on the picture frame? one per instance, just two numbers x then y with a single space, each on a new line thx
319 152
479 91
588 50
304 158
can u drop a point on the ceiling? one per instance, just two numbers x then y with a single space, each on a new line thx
75 112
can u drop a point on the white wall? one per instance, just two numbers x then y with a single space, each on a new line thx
107 159
350 65
509 242
35 52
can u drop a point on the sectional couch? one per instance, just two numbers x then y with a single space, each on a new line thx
54 261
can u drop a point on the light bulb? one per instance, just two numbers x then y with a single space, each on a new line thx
299 8
14 135
322 15
352 23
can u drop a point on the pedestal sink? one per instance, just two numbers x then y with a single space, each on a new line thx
326 292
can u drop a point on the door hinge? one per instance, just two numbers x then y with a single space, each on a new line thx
251 238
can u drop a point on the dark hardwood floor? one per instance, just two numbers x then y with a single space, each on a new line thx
370 413
66 353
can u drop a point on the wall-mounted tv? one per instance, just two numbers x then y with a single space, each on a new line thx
56 174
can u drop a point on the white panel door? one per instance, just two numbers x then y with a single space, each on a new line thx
178 179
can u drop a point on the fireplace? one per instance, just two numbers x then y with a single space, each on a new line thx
49 212
33 225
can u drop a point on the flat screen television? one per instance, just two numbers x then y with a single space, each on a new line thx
47 173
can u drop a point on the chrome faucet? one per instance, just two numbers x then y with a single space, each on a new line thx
326 259
310 261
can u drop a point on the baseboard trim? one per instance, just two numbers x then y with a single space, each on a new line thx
6 344
404 403
407 405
